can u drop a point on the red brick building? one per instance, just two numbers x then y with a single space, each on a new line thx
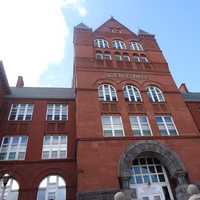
124 124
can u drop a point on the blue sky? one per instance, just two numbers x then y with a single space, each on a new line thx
174 22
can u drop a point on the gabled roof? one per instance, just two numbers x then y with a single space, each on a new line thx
111 20
41 93
191 96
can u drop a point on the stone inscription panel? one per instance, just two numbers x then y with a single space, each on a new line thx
127 76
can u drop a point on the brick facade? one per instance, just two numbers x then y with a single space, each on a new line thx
96 164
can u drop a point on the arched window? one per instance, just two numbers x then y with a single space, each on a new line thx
99 55
118 44
101 43
10 190
126 57
107 93
155 94
52 187
118 56
107 56
149 172
136 46
136 58
131 93
143 59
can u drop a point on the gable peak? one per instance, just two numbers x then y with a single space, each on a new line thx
113 25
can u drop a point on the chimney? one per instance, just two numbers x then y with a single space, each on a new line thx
20 82
183 88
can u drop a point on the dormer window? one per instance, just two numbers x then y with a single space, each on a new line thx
143 59
107 56
118 56
136 46
118 44
99 55
101 43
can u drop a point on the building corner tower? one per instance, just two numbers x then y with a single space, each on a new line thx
132 124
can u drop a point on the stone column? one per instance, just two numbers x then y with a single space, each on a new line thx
182 185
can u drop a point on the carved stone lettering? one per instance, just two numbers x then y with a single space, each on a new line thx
125 76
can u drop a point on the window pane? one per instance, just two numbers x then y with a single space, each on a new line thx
54 147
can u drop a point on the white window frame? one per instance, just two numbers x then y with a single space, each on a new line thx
126 58
118 44
11 190
18 112
157 92
144 59
60 112
17 149
118 57
51 187
136 58
140 125
50 148
112 125
136 46
102 92
107 56
134 90
165 124
101 43
99 56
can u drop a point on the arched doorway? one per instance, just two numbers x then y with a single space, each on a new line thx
146 164
150 179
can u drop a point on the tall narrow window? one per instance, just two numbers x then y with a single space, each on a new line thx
136 46
54 147
135 58
166 126
126 57
107 93
143 59
99 55
118 56
107 56
101 43
13 148
11 190
52 187
112 126
57 112
140 125
21 112
118 44
131 93
155 94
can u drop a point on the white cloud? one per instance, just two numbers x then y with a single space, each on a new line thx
33 35
76 4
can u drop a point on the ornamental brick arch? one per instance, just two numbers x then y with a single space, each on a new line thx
154 83
166 156
135 83
99 82
49 172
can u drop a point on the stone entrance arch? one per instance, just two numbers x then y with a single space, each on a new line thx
167 157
